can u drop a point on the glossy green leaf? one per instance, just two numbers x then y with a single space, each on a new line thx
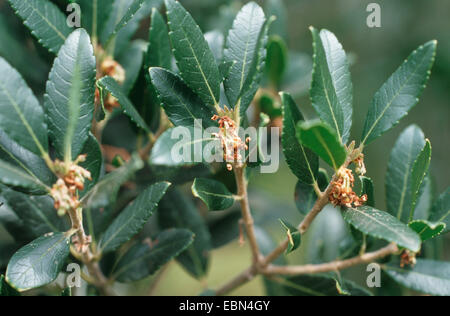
419 171
399 179
159 53
181 105
427 276
276 60
321 285
21 116
111 86
145 258
95 14
129 14
183 146
6 289
426 229
46 22
241 48
322 140
104 193
16 178
382 225
73 112
133 218
367 188
77 52
440 212
93 163
400 93
425 199
294 237
331 88
213 193
38 263
302 161
177 211
194 58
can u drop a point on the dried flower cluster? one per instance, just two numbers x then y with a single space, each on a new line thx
70 180
232 144
360 167
342 190
407 258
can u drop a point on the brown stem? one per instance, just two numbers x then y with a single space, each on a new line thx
244 277
334 265
241 182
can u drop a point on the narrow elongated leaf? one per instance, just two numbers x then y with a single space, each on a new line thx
331 88
440 212
302 161
382 225
399 190
111 86
426 229
95 14
133 218
21 116
182 146
400 93
242 48
23 159
77 52
177 211
427 276
159 53
419 171
18 179
129 14
181 105
194 58
6 289
322 140
46 22
145 258
425 199
276 60
73 112
38 263
214 193
294 237
278 9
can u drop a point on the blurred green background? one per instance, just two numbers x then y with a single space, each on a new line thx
375 54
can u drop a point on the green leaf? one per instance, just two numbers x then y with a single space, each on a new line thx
177 211
305 195
159 53
95 14
214 193
104 193
241 48
276 60
77 52
400 93
183 142
38 263
133 218
367 188
294 237
427 276
26 161
321 285
440 212
426 229
134 7
331 87
322 140
419 171
21 115
382 225
93 163
36 213
18 179
145 258
399 179
194 58
6 289
425 200
46 22
278 9
181 105
73 112
302 161
111 86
